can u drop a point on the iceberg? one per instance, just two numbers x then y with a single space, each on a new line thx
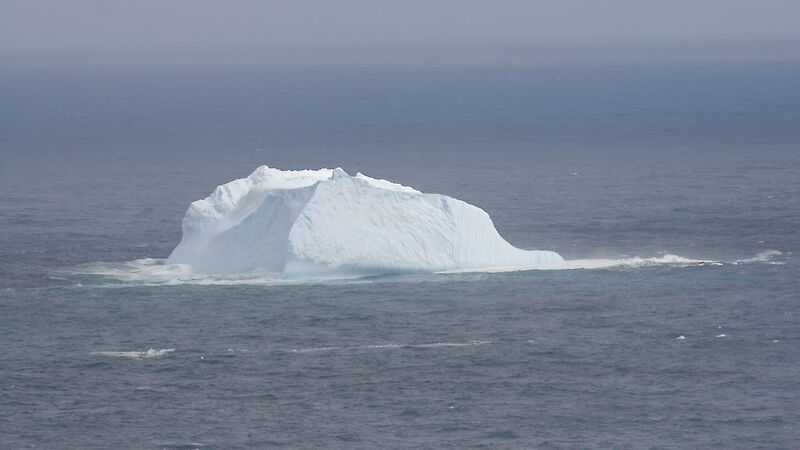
327 224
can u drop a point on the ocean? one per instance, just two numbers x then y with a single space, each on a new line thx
600 159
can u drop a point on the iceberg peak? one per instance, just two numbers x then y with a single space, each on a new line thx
325 223
338 173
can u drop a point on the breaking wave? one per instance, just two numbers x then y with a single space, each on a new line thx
392 346
152 353
766 256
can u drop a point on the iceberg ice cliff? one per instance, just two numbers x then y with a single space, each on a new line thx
325 223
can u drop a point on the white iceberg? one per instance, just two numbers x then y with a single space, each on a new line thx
327 224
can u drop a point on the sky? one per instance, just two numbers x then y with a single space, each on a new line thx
54 26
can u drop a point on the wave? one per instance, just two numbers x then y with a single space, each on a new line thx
157 272
391 346
152 353
766 256
213 354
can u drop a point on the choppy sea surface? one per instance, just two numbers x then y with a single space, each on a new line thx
102 346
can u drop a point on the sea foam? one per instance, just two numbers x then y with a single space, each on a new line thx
152 353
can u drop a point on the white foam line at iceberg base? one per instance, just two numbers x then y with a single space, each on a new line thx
670 260
154 272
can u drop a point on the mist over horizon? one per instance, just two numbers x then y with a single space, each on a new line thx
91 32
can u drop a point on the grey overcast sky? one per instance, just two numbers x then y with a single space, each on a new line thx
144 25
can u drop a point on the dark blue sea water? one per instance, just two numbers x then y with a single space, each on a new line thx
593 160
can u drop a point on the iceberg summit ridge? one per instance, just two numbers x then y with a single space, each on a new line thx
327 224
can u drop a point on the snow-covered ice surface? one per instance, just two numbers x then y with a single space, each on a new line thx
327 224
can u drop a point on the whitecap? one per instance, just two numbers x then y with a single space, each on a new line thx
382 346
156 272
449 344
152 353
314 349
390 346
763 257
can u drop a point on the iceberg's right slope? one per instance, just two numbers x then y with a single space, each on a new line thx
326 223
